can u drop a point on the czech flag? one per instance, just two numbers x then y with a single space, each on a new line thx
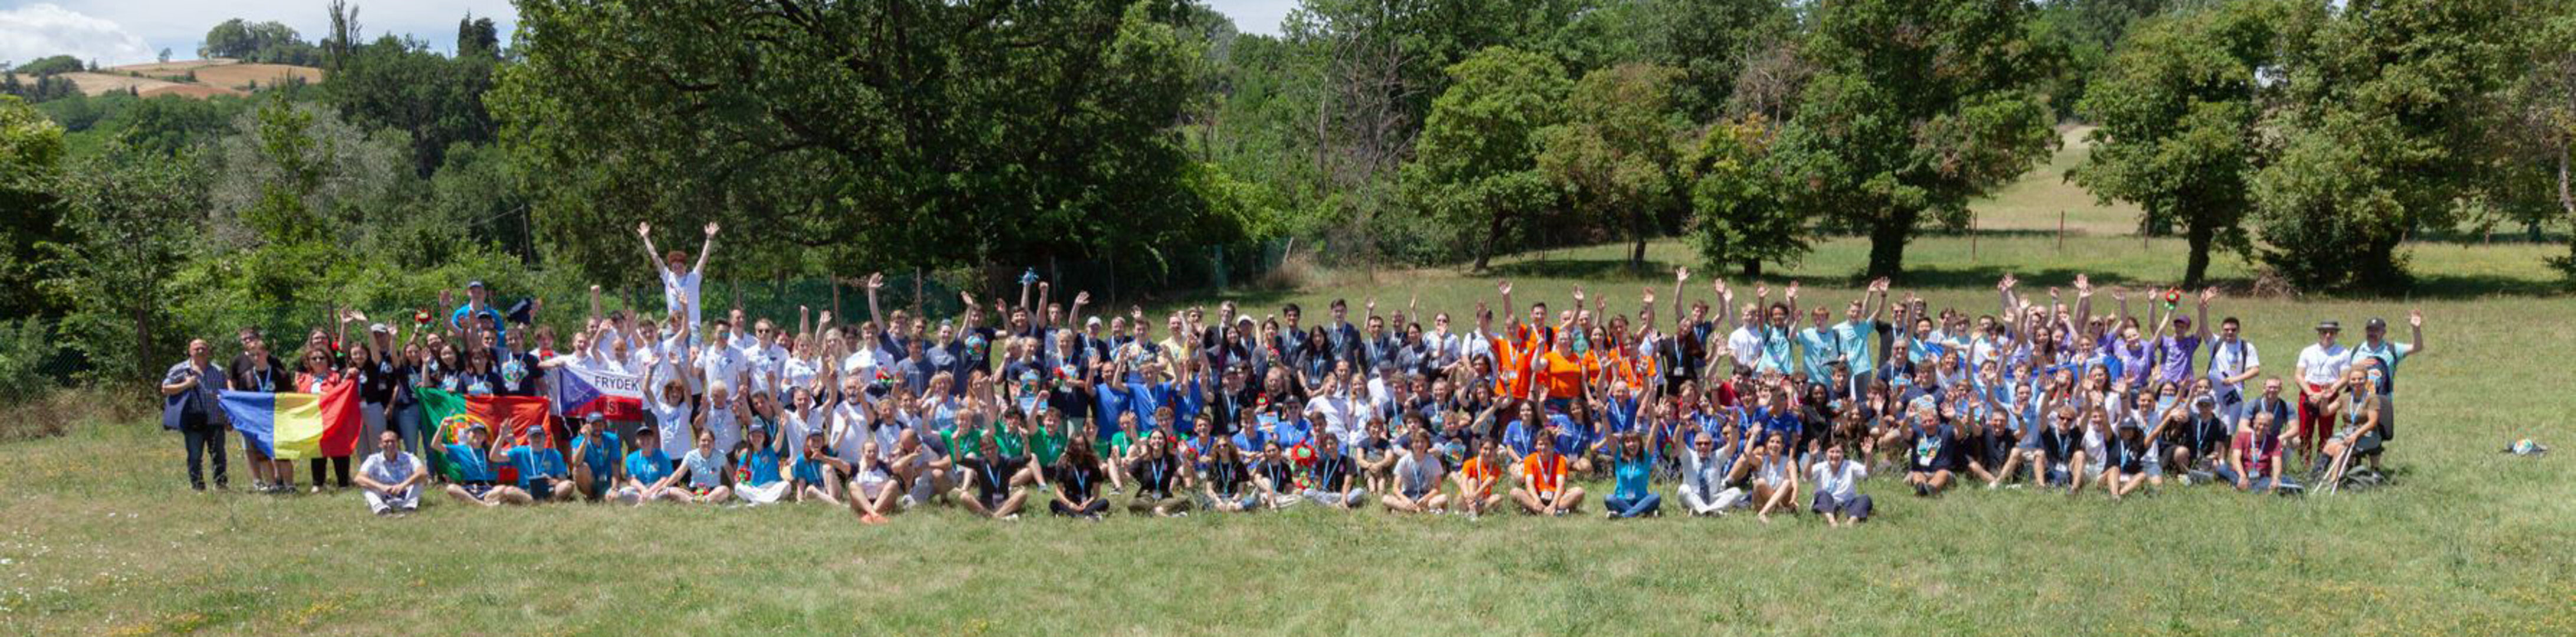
506 417
298 426
581 389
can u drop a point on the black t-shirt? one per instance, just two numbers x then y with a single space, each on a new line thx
2061 444
1936 450
379 381
2128 456
1156 476
526 374
1077 481
275 379
1282 477
1332 472
1227 477
992 477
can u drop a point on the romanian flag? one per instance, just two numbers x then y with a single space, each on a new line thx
506 417
298 426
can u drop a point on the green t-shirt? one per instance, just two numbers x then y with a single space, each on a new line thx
961 442
1012 445
1119 443
1048 445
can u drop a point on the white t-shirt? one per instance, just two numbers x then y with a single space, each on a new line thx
2228 358
1418 473
677 288
378 469
671 423
1842 482
848 432
1338 418
2322 365
1747 346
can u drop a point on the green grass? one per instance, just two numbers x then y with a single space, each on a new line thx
102 537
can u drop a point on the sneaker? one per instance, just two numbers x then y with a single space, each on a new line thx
1011 518
1921 491
906 502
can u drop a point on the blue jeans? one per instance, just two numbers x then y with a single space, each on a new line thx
1626 507
2258 483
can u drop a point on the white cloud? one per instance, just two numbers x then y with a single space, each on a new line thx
40 30
181 25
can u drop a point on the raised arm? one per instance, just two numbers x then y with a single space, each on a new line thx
705 249
876 318
1680 276
652 256
2415 325
2202 322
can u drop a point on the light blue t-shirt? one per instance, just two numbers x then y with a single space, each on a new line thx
538 462
1854 340
1631 475
705 470
648 465
1821 347
471 465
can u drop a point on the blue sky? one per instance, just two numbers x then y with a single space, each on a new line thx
130 31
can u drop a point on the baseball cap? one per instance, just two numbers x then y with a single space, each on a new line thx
1091 322
474 284
2329 325
379 328
594 417
2375 323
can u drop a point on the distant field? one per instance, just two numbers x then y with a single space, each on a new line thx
242 76
213 77
2035 201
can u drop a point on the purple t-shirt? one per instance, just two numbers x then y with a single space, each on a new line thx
2173 357
2133 361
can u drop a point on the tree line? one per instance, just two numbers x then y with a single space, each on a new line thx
971 136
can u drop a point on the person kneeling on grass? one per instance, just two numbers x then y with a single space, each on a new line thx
542 473
1228 487
1543 490
989 491
872 487
1159 476
1077 482
392 478
756 478
597 452
649 476
1417 478
475 481
1630 468
818 473
706 471
1329 483
1838 495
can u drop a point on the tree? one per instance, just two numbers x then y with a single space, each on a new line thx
130 214
1617 155
165 55
31 156
916 132
1738 215
1476 161
2386 101
402 85
1915 107
266 42
2179 105
1712 42
50 65
477 37
2539 138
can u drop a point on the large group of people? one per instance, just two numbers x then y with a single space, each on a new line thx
1047 404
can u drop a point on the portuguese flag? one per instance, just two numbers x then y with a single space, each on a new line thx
506 417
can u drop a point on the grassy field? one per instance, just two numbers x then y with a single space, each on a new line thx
103 538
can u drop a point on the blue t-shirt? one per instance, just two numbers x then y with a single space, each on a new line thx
1518 437
471 464
538 462
1631 476
763 466
809 470
648 465
600 455
1854 339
